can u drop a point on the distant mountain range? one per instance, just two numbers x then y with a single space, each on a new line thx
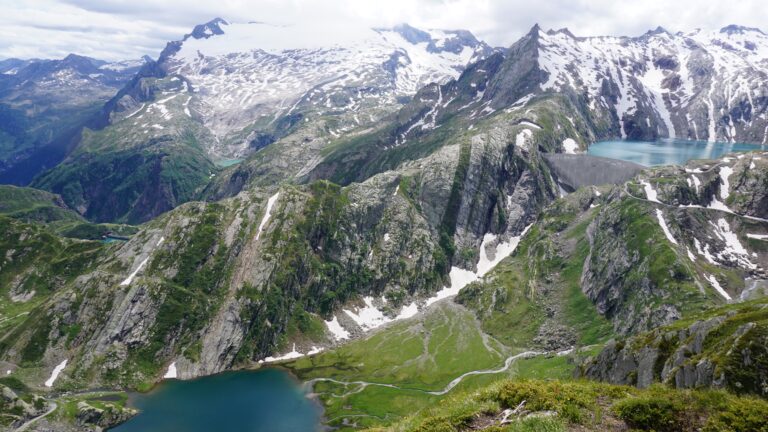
43 105
218 95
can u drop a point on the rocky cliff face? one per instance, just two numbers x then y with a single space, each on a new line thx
702 246
709 211
628 258
723 349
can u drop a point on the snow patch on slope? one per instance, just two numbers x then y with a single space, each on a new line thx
521 140
503 250
716 285
725 173
55 374
650 192
734 250
171 372
368 317
130 277
459 279
338 332
270 202
664 227
570 146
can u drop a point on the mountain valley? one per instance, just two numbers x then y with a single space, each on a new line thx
407 223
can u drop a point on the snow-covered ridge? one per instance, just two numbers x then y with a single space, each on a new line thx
242 72
703 85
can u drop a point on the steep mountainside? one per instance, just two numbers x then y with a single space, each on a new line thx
641 258
707 86
211 286
561 295
43 103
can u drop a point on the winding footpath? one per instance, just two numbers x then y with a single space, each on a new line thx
719 164
507 363
363 384
32 421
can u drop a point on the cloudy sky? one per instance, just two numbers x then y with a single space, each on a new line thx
122 29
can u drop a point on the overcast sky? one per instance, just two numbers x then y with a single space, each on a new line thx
123 29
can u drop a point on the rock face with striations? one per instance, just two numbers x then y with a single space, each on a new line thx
724 351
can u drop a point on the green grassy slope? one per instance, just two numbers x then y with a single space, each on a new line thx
554 406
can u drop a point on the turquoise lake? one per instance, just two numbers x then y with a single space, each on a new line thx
245 401
665 151
224 163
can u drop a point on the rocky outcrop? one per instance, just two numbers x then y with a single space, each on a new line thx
16 410
623 275
626 367
101 418
726 350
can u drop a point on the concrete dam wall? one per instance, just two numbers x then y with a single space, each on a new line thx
575 171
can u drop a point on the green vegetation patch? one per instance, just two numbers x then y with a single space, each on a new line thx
581 405
415 356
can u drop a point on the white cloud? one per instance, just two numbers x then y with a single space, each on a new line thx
118 29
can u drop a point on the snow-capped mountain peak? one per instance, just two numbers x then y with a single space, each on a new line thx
240 73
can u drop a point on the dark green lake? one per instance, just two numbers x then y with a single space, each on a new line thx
268 400
666 151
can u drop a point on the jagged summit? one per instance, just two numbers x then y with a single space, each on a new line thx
657 31
211 28
738 29
411 34
80 62
563 30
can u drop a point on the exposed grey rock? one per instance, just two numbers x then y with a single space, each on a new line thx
691 357
100 419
